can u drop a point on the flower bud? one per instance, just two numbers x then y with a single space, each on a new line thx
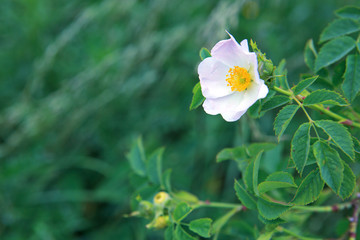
161 199
159 222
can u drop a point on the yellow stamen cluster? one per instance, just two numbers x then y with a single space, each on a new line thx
238 79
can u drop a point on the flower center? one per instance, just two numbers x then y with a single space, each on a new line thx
238 79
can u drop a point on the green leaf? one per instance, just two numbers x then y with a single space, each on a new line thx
254 148
300 146
303 84
266 235
330 165
339 135
204 53
351 85
251 174
356 145
281 72
310 54
201 226
349 12
220 222
245 198
137 158
283 119
348 184
338 28
276 180
154 166
185 197
271 210
181 211
323 96
169 233
181 234
333 50
275 221
166 177
231 154
275 102
309 189
197 98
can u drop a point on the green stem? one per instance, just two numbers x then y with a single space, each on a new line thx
321 109
217 205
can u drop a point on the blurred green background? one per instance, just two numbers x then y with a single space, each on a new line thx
80 80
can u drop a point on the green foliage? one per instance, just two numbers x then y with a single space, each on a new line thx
283 119
198 98
136 157
251 174
181 211
333 50
201 226
338 28
339 134
300 146
351 85
330 165
244 197
348 183
323 96
204 53
309 189
276 180
303 84
310 55
349 12
275 102
154 166
181 234
271 210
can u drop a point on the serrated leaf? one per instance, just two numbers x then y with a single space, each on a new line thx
181 211
300 146
201 226
283 119
339 70
339 27
271 210
356 145
281 72
254 148
339 135
197 98
330 165
251 173
275 102
137 158
348 184
231 154
181 234
351 85
154 166
303 84
245 198
333 50
275 221
349 12
204 53
309 189
310 54
324 96
276 180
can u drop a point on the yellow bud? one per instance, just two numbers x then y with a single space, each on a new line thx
161 222
161 198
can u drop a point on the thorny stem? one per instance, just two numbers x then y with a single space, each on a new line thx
320 108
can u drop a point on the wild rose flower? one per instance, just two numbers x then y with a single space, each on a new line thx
230 79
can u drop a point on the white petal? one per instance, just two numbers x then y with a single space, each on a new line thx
232 116
263 91
231 53
230 103
244 45
212 74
